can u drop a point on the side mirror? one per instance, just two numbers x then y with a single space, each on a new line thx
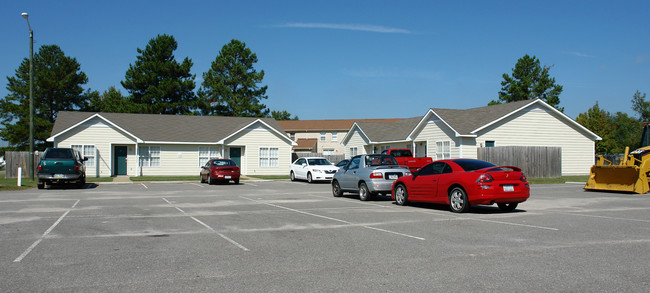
304 164
85 159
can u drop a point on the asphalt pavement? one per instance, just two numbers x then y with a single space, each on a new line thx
281 236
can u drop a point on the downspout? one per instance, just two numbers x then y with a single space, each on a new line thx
137 159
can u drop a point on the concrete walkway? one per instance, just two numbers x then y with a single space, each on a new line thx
122 179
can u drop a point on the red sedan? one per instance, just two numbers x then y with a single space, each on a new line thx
222 170
461 183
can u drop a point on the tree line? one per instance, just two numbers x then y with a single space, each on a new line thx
158 84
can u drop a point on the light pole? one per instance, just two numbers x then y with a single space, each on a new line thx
31 97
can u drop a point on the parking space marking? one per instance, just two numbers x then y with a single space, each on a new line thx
144 185
513 224
333 219
605 217
31 247
208 227
197 184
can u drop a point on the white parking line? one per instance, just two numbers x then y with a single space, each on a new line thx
208 227
334 219
605 217
144 185
197 184
31 247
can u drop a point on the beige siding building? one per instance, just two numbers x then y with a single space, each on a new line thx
451 133
159 145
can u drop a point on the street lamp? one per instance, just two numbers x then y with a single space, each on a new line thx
31 97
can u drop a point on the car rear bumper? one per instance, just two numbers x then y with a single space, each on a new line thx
53 177
499 196
380 186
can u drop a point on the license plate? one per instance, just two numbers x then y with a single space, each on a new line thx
392 177
228 176
508 188
58 175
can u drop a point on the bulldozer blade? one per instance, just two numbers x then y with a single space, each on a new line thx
618 178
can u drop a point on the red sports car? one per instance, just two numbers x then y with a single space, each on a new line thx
222 170
462 183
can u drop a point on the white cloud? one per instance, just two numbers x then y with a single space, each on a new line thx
579 54
350 27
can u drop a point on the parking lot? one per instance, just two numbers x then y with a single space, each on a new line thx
266 236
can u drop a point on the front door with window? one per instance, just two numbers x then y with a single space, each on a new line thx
235 156
119 155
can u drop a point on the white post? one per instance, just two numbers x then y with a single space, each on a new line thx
20 176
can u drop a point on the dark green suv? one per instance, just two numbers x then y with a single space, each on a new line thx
61 166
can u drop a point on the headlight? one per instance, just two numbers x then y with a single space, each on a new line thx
317 171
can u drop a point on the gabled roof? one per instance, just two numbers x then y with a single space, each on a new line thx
324 125
166 128
469 122
389 131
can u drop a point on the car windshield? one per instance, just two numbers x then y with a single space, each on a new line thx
471 165
316 162
380 160
223 163
401 153
58 154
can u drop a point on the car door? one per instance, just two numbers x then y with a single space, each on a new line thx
205 170
445 179
349 176
299 170
423 185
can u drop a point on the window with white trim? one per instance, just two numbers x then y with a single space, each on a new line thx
328 152
323 136
149 156
207 153
269 157
87 151
354 151
384 147
335 136
443 150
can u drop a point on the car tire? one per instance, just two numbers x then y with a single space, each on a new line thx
210 182
309 179
202 180
40 185
236 181
336 189
81 183
364 193
401 195
507 206
458 202
292 176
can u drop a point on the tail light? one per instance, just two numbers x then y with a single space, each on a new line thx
376 175
40 168
76 168
485 178
523 177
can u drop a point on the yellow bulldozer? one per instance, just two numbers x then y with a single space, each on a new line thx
631 175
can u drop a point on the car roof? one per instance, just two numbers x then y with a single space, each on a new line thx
312 158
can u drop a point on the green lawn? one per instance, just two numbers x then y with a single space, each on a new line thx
270 177
562 179
165 178
11 183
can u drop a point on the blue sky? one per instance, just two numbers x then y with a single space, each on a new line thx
359 59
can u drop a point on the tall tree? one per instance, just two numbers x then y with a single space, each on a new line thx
57 87
600 122
627 132
529 80
282 115
641 106
111 101
231 86
159 84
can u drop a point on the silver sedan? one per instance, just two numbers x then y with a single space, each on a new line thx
368 175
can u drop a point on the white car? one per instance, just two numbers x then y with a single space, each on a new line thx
312 169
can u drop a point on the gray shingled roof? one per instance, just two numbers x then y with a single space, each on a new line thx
467 120
389 131
172 128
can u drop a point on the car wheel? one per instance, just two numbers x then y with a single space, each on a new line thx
508 206
81 183
401 195
40 185
364 193
210 182
292 176
458 200
309 179
202 180
236 181
336 189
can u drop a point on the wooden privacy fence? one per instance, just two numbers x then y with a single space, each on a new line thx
534 161
332 158
20 159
